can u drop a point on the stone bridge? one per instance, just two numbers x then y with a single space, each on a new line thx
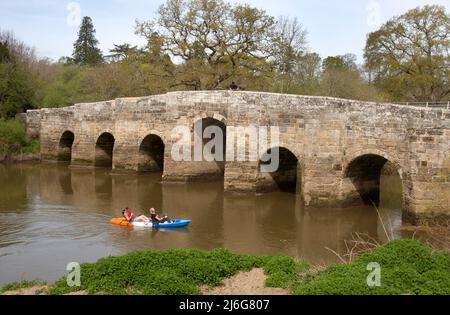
332 151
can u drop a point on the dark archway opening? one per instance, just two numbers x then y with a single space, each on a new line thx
365 173
104 150
65 146
151 155
286 177
216 168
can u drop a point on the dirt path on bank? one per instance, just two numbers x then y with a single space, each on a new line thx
245 283
36 290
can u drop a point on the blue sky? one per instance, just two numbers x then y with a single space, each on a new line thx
334 26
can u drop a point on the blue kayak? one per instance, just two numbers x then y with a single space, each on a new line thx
173 224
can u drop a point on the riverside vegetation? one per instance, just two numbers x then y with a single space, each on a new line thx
408 267
14 141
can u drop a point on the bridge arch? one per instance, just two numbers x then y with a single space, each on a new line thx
104 149
279 169
218 117
65 146
151 154
364 170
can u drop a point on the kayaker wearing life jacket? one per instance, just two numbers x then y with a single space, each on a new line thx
130 217
156 219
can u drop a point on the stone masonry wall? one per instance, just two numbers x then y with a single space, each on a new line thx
325 134
33 122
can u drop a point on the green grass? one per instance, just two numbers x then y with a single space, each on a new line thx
173 272
407 267
22 285
282 271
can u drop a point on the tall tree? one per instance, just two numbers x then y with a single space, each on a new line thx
289 43
287 49
86 51
16 90
215 41
344 62
122 52
341 77
408 57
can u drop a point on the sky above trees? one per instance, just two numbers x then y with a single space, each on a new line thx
334 27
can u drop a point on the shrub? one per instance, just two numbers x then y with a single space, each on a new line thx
13 138
408 267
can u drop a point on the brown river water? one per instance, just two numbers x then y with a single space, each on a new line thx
51 215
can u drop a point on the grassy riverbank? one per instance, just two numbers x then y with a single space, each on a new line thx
407 267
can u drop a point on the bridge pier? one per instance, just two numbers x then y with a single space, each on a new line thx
83 152
241 177
183 172
427 203
125 158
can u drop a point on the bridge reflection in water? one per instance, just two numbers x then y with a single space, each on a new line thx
51 215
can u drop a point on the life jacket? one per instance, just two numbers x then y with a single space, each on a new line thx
128 215
153 218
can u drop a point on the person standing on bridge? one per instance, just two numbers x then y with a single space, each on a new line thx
233 86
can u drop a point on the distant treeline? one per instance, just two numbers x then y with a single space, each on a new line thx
208 44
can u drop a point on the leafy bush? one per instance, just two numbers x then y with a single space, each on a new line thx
13 138
407 267
33 146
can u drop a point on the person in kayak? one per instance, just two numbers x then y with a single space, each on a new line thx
130 217
156 219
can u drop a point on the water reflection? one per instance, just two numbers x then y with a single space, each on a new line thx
51 215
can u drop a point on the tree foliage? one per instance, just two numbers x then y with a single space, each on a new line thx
344 62
214 41
409 55
85 48
16 87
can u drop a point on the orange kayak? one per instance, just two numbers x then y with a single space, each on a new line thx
121 222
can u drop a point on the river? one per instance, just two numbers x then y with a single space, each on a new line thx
51 215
